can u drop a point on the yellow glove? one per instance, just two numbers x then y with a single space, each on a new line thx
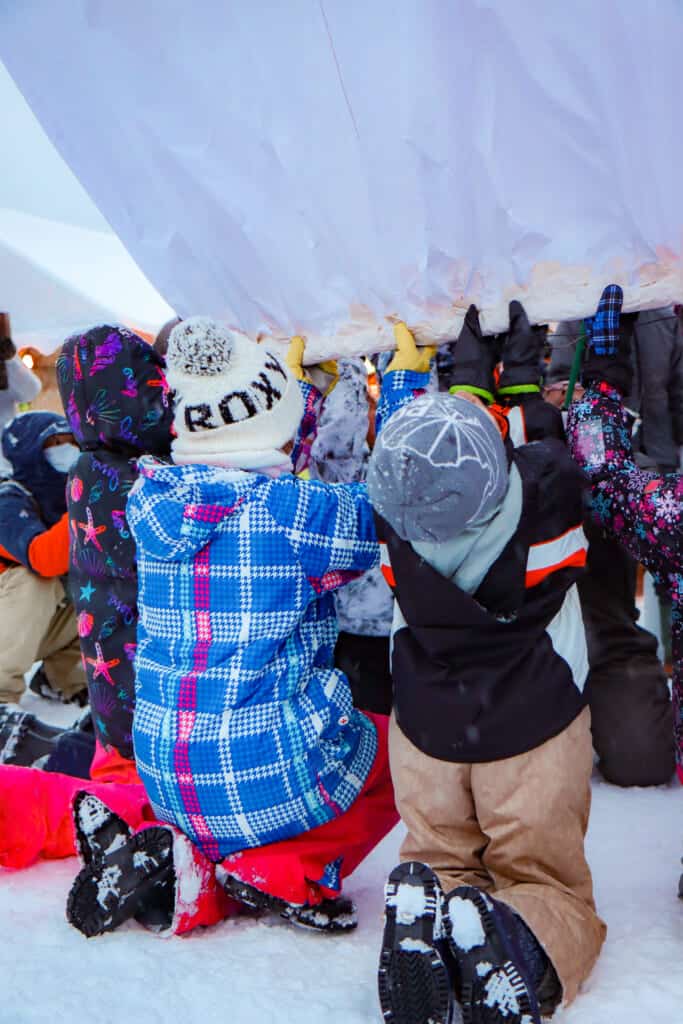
407 355
294 357
325 376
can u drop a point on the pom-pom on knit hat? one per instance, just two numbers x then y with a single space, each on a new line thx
438 468
236 403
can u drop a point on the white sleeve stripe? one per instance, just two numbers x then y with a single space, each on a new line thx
556 551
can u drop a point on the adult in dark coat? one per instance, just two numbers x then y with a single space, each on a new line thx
116 399
632 718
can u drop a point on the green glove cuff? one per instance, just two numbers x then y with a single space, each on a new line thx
520 389
487 396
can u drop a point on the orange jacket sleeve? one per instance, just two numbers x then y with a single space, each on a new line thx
48 553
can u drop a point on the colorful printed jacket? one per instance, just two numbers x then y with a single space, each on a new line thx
640 508
115 395
245 733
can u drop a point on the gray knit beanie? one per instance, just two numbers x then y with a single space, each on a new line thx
438 468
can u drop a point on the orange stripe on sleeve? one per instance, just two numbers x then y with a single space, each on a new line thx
498 412
385 565
577 560
567 550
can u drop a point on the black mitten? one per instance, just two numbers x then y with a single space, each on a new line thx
522 351
474 358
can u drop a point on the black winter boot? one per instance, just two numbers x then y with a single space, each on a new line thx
99 830
498 965
42 687
24 739
414 979
331 915
117 883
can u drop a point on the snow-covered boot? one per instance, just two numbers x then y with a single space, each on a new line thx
42 687
99 830
115 885
332 915
187 898
414 979
10 712
193 898
498 961
24 739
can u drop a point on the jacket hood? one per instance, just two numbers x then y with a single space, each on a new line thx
114 392
175 511
22 445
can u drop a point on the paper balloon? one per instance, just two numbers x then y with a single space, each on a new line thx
321 166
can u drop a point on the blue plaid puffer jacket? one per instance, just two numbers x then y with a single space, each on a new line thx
244 732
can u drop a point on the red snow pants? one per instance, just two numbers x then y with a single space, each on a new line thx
292 869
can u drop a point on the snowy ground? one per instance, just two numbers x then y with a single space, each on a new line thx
246 972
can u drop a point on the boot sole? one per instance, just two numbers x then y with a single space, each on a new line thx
473 993
37 727
301 917
112 889
413 982
512 1004
97 839
305 917
21 742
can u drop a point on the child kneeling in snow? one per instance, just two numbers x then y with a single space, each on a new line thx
490 743
245 734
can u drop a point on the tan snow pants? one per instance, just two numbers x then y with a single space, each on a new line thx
515 828
37 623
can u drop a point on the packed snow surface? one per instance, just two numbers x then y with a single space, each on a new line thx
266 972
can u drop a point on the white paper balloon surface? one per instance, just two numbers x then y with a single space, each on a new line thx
320 166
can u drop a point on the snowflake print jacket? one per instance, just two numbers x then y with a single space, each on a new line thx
340 455
115 397
640 508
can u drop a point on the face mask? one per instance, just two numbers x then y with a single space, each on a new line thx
61 456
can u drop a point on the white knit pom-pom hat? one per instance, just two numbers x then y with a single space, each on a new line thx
235 401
